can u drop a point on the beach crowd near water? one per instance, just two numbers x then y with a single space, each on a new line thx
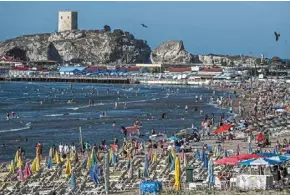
249 136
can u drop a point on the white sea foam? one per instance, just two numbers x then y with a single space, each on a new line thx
27 126
54 115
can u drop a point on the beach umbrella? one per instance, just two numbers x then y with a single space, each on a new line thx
19 163
260 137
225 153
215 151
35 164
250 151
172 166
185 161
73 182
27 171
114 158
16 157
128 163
227 161
177 176
11 167
238 149
56 158
94 172
93 158
278 158
146 165
49 163
20 175
204 160
211 179
286 149
197 155
68 167
223 128
259 161
111 155
154 160
275 151
266 154
174 138
89 163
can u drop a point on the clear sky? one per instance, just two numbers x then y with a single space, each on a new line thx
205 27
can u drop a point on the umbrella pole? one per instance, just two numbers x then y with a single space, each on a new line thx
106 172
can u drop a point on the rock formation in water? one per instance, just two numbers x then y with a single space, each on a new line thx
172 52
97 46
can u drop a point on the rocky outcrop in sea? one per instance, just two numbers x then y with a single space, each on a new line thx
97 46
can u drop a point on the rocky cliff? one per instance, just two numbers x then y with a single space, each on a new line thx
172 52
97 46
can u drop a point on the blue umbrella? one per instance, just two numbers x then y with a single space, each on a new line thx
94 172
279 158
174 138
204 160
259 161
114 159
266 154
250 149
225 153
172 167
49 163
146 165
211 178
73 182
197 155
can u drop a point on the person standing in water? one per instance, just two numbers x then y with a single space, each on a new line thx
186 108
7 116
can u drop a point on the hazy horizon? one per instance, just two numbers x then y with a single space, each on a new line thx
226 28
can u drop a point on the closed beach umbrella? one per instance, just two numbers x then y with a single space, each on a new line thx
154 160
49 163
211 179
51 152
94 158
177 176
204 160
197 155
185 161
73 183
56 158
20 175
68 167
16 157
19 163
27 171
89 163
146 165
275 151
11 167
94 172
250 149
238 149
225 153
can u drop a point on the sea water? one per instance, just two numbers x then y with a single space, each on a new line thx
57 121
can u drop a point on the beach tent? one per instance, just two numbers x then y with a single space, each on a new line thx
259 161
223 128
177 176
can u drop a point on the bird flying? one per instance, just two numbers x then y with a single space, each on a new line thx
144 25
277 35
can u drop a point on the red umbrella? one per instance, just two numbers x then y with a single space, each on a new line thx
227 161
245 156
223 128
260 137
286 149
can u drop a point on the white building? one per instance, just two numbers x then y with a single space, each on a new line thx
67 20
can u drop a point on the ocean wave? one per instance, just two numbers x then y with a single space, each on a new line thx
27 126
54 115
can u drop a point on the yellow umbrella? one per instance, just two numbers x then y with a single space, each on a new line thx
19 163
111 154
177 185
89 164
68 167
154 157
34 165
11 167
16 157
173 153
37 167
56 158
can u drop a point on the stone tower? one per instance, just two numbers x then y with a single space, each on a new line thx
67 20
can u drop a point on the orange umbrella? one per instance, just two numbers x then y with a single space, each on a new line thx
223 128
